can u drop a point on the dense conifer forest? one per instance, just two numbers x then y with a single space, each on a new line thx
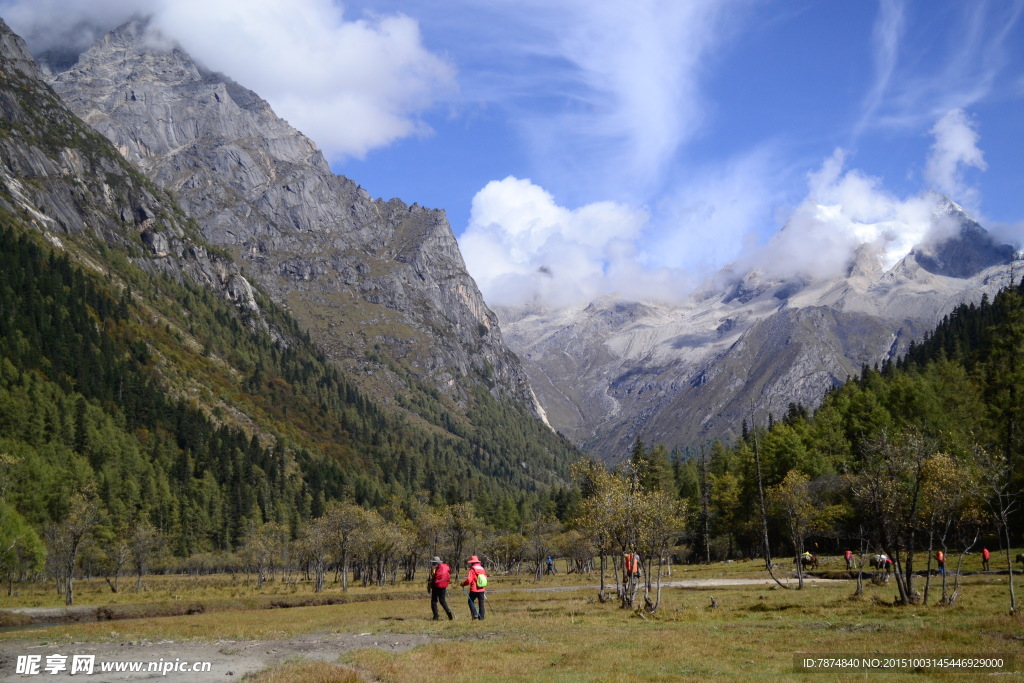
88 402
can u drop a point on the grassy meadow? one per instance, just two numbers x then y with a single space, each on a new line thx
564 634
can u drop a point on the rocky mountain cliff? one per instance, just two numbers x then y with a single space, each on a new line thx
138 365
66 180
743 347
379 284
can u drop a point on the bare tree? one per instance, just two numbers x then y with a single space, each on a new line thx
117 555
143 542
541 542
343 521
430 530
315 548
461 528
766 546
996 476
65 539
263 549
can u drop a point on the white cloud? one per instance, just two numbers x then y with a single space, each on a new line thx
955 147
350 85
843 210
522 247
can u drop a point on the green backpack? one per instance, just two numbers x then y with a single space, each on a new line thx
481 578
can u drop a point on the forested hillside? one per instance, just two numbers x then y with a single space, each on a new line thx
139 373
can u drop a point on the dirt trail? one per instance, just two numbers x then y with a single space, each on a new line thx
229 660
690 583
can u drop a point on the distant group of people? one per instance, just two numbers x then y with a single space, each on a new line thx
476 581
883 561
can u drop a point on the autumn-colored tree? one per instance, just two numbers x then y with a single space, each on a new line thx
263 549
804 513
1003 500
378 545
662 520
315 549
889 488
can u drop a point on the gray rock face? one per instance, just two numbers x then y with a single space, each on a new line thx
364 276
681 375
72 184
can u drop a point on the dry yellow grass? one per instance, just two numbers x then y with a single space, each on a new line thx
569 636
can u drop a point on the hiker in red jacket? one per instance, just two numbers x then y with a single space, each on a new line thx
437 586
984 559
476 579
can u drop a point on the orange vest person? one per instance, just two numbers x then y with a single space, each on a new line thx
476 579
632 564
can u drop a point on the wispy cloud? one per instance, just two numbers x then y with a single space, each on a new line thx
956 70
603 94
886 35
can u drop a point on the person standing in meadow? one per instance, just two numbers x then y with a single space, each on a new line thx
477 582
437 586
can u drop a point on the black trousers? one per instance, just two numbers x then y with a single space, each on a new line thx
439 595
479 598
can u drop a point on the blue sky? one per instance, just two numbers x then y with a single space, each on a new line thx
709 117
583 148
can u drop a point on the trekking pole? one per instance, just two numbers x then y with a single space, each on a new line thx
472 607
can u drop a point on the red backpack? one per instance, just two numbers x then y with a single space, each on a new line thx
442 575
